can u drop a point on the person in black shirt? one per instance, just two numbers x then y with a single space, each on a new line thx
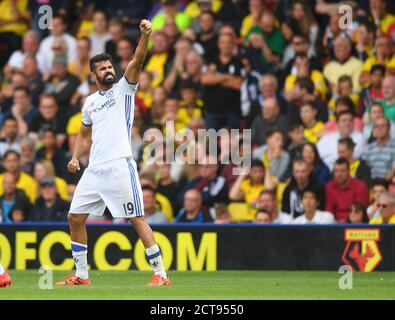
49 206
191 212
167 186
49 117
302 179
207 38
222 83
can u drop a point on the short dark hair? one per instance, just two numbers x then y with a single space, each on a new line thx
11 151
23 88
342 113
9 118
378 67
342 161
257 163
99 58
148 188
348 142
312 191
380 182
306 83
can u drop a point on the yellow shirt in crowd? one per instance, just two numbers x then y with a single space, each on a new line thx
7 14
371 61
380 220
156 65
26 183
311 134
352 67
74 124
316 76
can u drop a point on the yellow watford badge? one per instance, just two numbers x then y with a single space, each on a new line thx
362 252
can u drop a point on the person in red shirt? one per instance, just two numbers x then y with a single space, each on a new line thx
342 191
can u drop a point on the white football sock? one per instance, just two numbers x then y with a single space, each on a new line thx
80 252
1 269
155 259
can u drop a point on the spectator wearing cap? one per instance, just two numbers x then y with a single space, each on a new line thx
11 163
380 154
358 168
191 210
327 145
61 83
222 82
49 117
343 190
170 8
151 214
386 204
49 206
59 26
343 64
311 214
14 205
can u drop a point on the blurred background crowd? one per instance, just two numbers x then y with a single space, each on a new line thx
318 97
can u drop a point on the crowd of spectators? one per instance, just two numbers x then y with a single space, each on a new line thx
318 96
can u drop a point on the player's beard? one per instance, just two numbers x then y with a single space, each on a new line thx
107 81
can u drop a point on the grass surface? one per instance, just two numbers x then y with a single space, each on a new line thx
207 285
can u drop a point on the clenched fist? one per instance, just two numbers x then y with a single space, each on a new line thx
145 27
73 165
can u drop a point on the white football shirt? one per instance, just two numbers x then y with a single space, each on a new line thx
110 113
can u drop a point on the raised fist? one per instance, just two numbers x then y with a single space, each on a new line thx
146 27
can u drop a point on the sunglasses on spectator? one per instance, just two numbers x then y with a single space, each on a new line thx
380 205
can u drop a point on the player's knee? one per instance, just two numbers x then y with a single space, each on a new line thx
74 219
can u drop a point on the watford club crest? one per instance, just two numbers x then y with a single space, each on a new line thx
362 252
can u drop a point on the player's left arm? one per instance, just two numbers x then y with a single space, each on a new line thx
132 72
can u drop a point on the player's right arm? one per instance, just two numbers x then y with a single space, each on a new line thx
84 136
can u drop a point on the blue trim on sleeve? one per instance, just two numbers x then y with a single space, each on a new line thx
86 125
132 84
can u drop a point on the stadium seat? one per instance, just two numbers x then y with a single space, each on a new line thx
240 211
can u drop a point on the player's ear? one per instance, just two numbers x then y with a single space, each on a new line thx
93 76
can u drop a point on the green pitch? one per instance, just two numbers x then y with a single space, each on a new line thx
207 285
